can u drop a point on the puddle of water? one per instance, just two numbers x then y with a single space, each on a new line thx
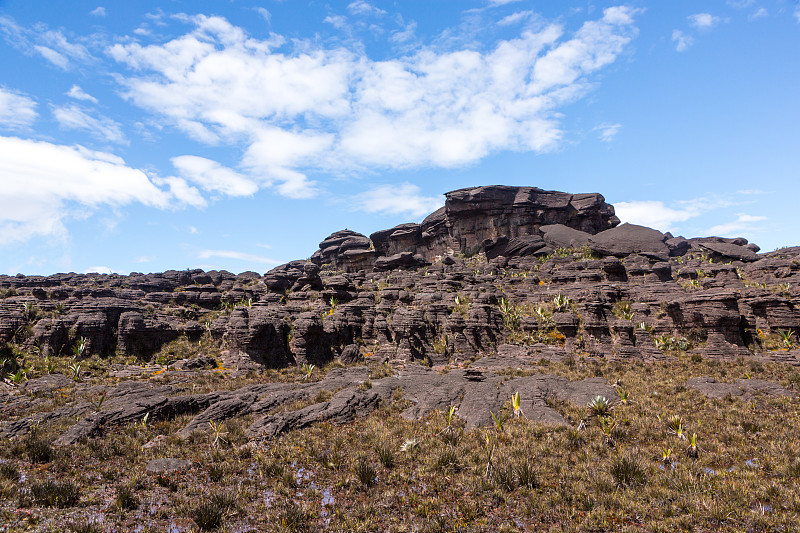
269 497
709 471
752 463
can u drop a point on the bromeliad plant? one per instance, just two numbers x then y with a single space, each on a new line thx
516 404
675 426
307 370
600 406
693 451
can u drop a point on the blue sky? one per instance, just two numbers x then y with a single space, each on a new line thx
145 136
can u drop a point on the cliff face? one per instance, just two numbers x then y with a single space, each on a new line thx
496 270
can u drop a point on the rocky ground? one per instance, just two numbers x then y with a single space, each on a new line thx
504 291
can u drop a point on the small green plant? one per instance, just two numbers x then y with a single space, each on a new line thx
693 451
561 303
126 498
441 343
516 404
607 425
209 514
59 494
75 368
499 420
600 406
787 338
511 315
624 396
385 454
364 472
80 347
666 456
308 370
675 426
410 445
217 432
628 471
645 326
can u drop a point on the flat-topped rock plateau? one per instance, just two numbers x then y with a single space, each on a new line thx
519 361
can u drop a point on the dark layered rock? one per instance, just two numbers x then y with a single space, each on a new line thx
630 239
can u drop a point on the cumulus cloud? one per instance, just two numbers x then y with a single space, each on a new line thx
681 40
211 176
402 199
607 131
17 111
703 20
44 183
743 225
336 110
98 270
79 94
74 118
99 11
240 256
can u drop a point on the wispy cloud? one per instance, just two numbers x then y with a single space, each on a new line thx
98 270
17 111
608 131
759 14
239 256
211 176
361 7
402 199
337 110
743 225
99 11
79 94
515 18
703 20
682 41
74 118
265 14
49 44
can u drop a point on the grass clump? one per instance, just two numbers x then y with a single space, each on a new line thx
50 493
628 471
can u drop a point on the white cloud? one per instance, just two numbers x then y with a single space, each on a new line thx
17 111
74 118
361 7
182 191
494 3
703 20
51 45
240 256
608 131
145 259
653 214
337 21
797 13
740 4
515 18
760 13
211 176
79 94
681 40
98 270
336 110
44 183
402 199
99 11
265 14
744 224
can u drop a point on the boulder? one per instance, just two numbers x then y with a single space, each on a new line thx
630 239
